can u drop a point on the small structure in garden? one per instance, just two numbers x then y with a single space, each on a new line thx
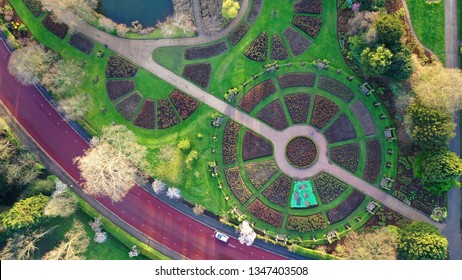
281 237
389 134
439 214
366 89
231 94
217 121
372 207
271 67
213 169
332 236
303 196
386 183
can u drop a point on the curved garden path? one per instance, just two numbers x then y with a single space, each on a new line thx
140 52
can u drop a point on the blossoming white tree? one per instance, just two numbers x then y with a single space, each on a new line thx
246 233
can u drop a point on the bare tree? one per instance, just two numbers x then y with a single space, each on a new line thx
110 167
74 108
64 76
96 226
73 246
178 22
106 24
83 9
29 64
23 245
61 205
122 29
246 233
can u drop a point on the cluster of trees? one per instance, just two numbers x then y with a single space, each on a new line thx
415 241
34 64
375 42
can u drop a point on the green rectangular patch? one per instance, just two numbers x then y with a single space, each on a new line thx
303 196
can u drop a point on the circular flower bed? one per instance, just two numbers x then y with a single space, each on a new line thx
301 152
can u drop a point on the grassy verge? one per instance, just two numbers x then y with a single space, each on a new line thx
428 22
314 254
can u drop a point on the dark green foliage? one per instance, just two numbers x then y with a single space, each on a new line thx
422 241
430 128
389 30
438 169
401 67
25 212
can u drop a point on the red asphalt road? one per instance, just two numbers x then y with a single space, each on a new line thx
139 209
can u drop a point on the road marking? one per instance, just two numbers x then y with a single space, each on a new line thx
163 237
123 211
174 243
231 245
179 219
149 200
143 225
133 218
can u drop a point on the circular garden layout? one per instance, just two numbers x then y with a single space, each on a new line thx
325 101
144 112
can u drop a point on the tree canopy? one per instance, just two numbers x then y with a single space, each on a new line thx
376 61
29 64
25 212
422 241
230 9
73 246
389 30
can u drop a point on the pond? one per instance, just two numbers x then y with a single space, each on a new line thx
147 12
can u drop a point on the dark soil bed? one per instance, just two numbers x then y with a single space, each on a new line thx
341 130
255 146
298 105
278 192
198 73
310 25
364 117
34 6
238 33
127 107
59 29
257 94
296 80
273 114
117 67
373 160
324 111
254 11
346 156
206 52
117 89
278 48
297 42
308 6
345 208
81 43
147 116
336 88
301 152
184 104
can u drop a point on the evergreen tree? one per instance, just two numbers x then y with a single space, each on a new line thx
422 241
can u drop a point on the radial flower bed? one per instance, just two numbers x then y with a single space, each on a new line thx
296 80
166 116
328 187
206 52
345 208
298 105
127 107
273 114
254 12
373 160
256 95
297 42
324 111
81 43
238 33
184 104
258 49
306 223
59 29
346 156
364 117
147 116
341 130
336 88
230 138
301 152
255 146
303 195
308 7
237 185
266 213
117 67
310 25
278 192
34 6
117 89
198 73
278 49
260 173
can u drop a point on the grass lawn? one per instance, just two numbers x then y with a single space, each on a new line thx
428 22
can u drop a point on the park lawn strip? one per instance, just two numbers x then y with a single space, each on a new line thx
428 22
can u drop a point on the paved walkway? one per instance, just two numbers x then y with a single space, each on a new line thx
196 8
140 52
453 229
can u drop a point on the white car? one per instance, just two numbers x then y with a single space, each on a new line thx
221 236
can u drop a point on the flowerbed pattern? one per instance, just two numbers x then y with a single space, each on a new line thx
341 130
166 116
238 33
328 187
298 105
117 67
34 6
230 138
306 223
336 88
373 160
265 213
184 104
308 7
278 192
273 114
59 29
278 49
346 207
255 146
237 185
81 43
198 73
310 25
324 111
258 49
301 152
127 107
298 43
364 117
296 80
117 89
254 12
206 52
346 156
147 116
256 95
260 173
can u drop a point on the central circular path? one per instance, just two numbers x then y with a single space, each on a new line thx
301 152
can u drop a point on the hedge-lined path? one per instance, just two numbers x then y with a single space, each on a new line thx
140 52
